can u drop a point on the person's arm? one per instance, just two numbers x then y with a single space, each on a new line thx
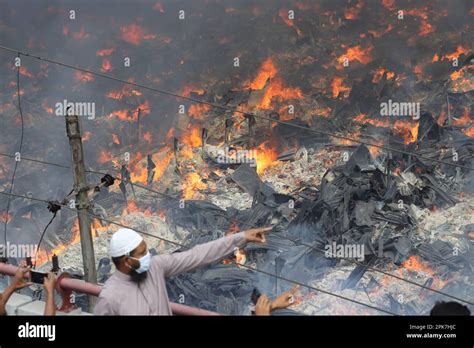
17 283
49 285
203 254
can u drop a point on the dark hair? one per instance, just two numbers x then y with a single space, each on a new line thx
116 260
449 308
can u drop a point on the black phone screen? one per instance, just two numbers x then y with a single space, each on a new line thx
37 277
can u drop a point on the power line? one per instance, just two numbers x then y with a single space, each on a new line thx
295 242
281 236
246 114
186 247
12 183
233 109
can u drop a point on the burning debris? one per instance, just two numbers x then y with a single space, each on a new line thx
350 133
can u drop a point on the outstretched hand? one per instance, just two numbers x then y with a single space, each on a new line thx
257 235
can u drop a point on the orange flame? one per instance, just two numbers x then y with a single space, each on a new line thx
115 139
266 157
46 107
414 264
192 183
134 34
362 55
379 74
83 77
105 52
283 13
408 130
338 86
267 70
197 110
353 12
106 65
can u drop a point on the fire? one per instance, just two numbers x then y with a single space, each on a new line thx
162 164
187 89
353 12
193 137
105 52
460 81
240 257
422 13
104 157
147 137
133 208
459 50
24 71
106 65
375 151
197 110
379 73
389 4
41 257
465 119
170 133
46 107
139 173
80 35
425 28
131 115
158 7
277 89
267 70
338 86
4 217
266 157
283 13
86 136
83 77
193 182
115 139
161 214
127 91
362 55
414 264
407 130
354 135
134 34
379 33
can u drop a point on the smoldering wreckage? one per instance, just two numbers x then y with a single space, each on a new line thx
380 224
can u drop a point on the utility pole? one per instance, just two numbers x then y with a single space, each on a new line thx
82 202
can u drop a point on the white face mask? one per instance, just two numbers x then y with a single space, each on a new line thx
144 263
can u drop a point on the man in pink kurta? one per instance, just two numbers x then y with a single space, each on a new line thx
138 287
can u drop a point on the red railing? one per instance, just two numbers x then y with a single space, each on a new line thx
66 285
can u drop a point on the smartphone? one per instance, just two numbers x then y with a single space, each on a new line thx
38 277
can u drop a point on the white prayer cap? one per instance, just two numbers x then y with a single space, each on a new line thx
124 241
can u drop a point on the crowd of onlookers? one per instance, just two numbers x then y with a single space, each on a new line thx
18 282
